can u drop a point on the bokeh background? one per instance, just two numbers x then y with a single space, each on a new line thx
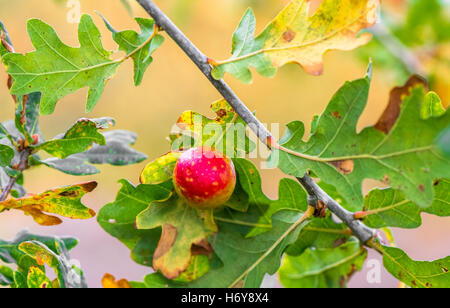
173 84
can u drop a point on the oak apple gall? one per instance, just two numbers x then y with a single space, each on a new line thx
204 178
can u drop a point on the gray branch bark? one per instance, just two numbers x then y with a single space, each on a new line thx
361 231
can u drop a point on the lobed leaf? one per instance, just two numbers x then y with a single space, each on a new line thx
118 218
416 274
182 227
56 70
249 259
390 207
391 151
255 215
294 36
139 47
63 201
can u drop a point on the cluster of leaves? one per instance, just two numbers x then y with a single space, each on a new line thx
30 253
245 240
37 80
240 243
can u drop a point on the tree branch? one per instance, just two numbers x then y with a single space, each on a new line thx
25 152
361 231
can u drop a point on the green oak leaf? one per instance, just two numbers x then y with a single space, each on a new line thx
416 274
182 228
63 201
249 259
256 217
226 133
146 43
323 267
11 254
77 139
56 69
343 158
118 218
37 279
389 207
296 37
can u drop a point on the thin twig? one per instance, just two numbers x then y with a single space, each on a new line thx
23 165
361 231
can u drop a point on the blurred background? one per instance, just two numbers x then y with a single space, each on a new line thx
173 84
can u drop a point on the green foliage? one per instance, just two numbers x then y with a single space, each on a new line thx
138 46
30 252
390 208
118 218
323 267
251 235
416 274
343 158
56 69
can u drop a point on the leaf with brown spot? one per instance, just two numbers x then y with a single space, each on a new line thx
182 227
344 166
408 156
392 111
296 37
110 282
65 201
